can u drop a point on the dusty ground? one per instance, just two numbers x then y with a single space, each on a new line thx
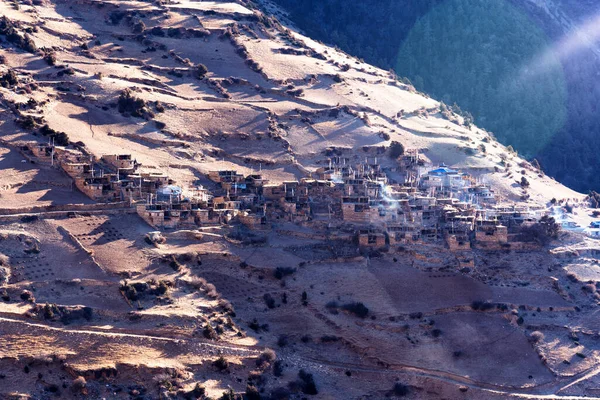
423 327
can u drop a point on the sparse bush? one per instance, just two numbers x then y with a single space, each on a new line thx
211 291
252 393
590 288
482 305
401 389
26 295
209 333
131 105
356 308
329 339
79 384
221 363
542 232
229 395
396 150
227 307
198 392
139 27
282 272
536 336
50 57
307 383
200 71
266 358
60 138
9 79
269 300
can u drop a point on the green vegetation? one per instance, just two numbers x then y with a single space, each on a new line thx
485 48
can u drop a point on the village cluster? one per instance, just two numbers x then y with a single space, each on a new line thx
349 198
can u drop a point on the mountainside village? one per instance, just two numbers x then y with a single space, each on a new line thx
352 199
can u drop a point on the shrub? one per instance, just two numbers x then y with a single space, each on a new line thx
139 27
356 308
252 393
281 272
396 150
308 385
221 363
266 358
26 295
227 307
536 336
211 291
129 104
524 182
209 333
198 392
229 395
60 138
436 333
269 300
200 71
9 79
78 384
401 389
590 288
541 232
482 305
50 58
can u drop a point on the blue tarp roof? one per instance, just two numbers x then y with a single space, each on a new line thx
442 171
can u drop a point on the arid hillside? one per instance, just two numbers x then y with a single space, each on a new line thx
268 98
97 303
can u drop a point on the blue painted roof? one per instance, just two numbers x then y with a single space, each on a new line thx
442 171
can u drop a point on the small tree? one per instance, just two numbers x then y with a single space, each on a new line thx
221 363
524 182
200 71
396 149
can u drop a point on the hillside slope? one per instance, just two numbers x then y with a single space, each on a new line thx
99 301
271 99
